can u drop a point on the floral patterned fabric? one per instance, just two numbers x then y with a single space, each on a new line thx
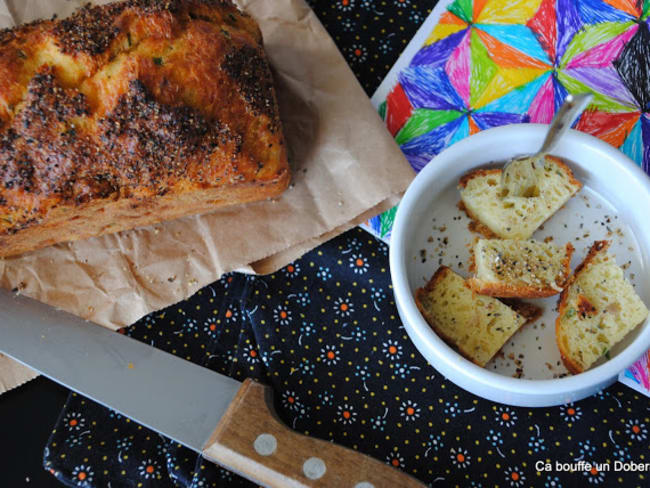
371 34
324 332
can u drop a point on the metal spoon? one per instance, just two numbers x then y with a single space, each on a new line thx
518 176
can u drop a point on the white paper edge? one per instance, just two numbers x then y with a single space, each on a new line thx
403 61
632 384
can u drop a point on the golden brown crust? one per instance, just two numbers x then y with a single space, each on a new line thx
471 266
572 367
438 276
475 173
527 310
475 225
123 105
507 290
596 248
497 171
566 170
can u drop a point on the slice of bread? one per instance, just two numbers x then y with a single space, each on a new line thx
508 217
477 325
517 268
527 310
597 309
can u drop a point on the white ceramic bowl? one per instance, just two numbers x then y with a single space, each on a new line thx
614 184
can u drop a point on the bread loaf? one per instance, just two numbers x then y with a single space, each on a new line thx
519 268
477 325
597 309
131 113
511 217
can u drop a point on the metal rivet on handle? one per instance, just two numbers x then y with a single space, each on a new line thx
265 444
314 468
364 484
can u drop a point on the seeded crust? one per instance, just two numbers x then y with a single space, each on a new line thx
596 248
507 290
131 113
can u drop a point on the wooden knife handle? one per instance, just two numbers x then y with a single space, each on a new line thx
252 441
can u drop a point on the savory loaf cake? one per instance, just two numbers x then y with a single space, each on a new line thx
131 113
477 325
597 309
510 217
519 268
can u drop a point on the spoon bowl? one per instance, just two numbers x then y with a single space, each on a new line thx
518 177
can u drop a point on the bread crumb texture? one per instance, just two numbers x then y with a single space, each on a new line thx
477 325
597 310
510 217
520 268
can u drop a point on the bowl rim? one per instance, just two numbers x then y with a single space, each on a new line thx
415 323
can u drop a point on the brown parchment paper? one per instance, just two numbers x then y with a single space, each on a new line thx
346 168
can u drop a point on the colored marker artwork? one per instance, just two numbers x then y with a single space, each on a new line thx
488 63
477 64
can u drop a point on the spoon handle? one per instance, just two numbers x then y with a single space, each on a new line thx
573 106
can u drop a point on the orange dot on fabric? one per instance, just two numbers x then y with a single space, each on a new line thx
149 469
359 262
571 411
515 476
357 52
253 353
73 422
346 414
283 314
460 458
290 269
593 470
345 2
636 429
395 462
228 314
505 416
229 280
213 327
291 399
392 349
330 354
344 306
410 411
81 475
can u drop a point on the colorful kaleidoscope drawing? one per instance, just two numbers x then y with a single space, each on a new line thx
488 63
485 63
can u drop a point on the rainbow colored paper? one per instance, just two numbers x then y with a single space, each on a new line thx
494 62
485 63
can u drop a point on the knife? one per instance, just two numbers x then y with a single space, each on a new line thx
230 423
